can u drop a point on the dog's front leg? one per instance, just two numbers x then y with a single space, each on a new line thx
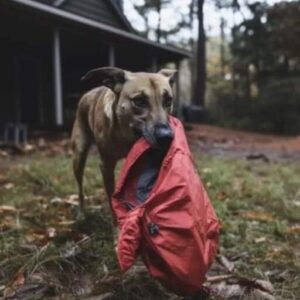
107 168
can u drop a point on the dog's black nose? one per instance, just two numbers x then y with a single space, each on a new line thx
163 133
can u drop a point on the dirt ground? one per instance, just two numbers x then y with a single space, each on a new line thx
232 143
203 139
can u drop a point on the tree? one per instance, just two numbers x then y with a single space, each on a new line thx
283 21
199 89
266 45
161 34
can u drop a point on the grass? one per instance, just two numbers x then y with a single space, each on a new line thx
257 203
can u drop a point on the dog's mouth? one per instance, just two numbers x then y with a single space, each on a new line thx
152 139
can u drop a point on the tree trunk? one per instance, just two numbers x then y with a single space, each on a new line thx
158 30
199 90
192 43
222 47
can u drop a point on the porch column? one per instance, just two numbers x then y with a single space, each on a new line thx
57 78
154 66
111 56
177 90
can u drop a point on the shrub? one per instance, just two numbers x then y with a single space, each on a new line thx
277 108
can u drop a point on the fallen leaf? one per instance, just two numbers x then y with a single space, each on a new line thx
274 253
7 208
42 143
207 170
260 240
7 223
72 200
265 285
95 207
29 148
66 222
296 203
56 200
224 262
222 196
40 236
9 186
101 297
51 232
293 229
241 288
258 215
34 237
4 153
3 178
13 285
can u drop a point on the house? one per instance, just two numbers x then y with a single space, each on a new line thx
46 47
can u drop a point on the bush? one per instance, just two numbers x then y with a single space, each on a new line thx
277 108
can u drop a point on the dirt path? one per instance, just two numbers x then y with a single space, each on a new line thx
208 139
231 143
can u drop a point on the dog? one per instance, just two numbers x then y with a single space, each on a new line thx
121 108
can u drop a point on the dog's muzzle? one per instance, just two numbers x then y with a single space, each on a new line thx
163 134
159 136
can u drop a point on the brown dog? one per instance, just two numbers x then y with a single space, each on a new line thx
125 106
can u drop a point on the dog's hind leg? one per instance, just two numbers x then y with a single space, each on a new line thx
81 143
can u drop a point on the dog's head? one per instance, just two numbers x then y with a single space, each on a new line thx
143 100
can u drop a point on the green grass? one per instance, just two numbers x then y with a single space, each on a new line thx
256 203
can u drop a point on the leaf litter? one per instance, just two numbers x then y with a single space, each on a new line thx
46 253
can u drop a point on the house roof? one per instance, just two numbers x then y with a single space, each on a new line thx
105 11
53 11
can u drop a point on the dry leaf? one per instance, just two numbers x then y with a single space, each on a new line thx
7 208
13 285
3 178
258 215
274 253
225 263
260 240
56 200
294 229
3 153
34 237
7 223
9 186
72 200
222 196
42 143
101 297
51 232
29 148
206 170
40 237
242 288
66 222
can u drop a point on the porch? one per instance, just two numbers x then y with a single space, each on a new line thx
45 52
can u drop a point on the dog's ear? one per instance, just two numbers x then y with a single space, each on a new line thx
111 77
170 74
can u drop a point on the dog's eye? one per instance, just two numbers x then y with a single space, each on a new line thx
140 101
168 101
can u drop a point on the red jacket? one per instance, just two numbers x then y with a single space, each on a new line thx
176 229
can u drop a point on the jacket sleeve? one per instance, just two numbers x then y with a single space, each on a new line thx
129 240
